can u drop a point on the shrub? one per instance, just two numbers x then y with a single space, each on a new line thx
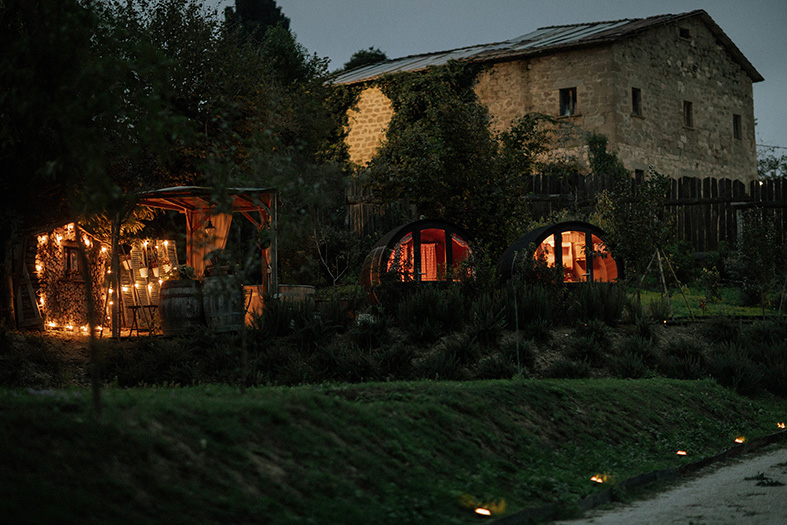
630 365
520 353
599 301
659 309
632 310
721 330
635 345
495 366
731 366
464 347
684 359
486 320
645 327
586 349
370 330
594 329
527 303
538 330
567 369
765 335
396 362
29 361
429 312
352 364
442 364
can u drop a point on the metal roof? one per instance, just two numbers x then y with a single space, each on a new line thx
190 198
541 41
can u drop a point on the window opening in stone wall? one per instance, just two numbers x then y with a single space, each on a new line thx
636 102
568 102
736 127
685 33
688 114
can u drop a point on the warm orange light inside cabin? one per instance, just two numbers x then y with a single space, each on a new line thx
574 257
433 255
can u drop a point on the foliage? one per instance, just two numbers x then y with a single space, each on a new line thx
758 260
254 17
441 155
364 57
635 222
770 165
486 318
599 301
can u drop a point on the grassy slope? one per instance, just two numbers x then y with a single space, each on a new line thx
372 453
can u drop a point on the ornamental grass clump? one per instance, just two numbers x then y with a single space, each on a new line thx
486 320
683 359
430 312
731 365
599 301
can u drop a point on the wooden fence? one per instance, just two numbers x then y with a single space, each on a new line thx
705 211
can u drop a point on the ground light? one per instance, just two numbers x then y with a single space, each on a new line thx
681 452
780 425
483 512
740 439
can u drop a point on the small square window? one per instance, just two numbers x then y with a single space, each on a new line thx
636 102
688 114
568 102
737 132
685 33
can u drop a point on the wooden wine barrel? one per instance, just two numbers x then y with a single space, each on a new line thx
180 307
222 301
298 293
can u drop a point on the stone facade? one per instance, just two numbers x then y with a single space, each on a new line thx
367 124
672 67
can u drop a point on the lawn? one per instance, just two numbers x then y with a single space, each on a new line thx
397 452
729 305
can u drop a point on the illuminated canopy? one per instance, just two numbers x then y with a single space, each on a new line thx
199 205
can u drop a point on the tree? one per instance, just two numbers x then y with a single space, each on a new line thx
634 220
771 165
441 155
365 57
253 18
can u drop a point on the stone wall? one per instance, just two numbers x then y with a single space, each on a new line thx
670 69
667 67
367 124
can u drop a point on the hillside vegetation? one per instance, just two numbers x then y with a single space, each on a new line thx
398 452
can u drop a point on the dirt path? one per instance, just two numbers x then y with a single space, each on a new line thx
749 490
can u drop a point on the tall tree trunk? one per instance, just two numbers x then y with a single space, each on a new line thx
7 310
95 376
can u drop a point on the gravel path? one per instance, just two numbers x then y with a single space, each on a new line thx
749 490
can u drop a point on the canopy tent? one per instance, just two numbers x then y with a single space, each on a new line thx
199 206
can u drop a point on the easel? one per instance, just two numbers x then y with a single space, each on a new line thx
665 292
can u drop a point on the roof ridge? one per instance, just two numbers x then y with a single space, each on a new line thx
666 15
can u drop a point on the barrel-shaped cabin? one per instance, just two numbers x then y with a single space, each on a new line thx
421 251
576 248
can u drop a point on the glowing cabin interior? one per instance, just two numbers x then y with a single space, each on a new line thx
576 249
428 255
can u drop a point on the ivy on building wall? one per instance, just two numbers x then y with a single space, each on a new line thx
61 290
442 156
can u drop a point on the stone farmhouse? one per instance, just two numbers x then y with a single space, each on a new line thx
671 91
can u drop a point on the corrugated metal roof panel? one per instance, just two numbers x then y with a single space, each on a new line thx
538 41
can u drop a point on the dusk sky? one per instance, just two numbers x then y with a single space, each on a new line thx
338 28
